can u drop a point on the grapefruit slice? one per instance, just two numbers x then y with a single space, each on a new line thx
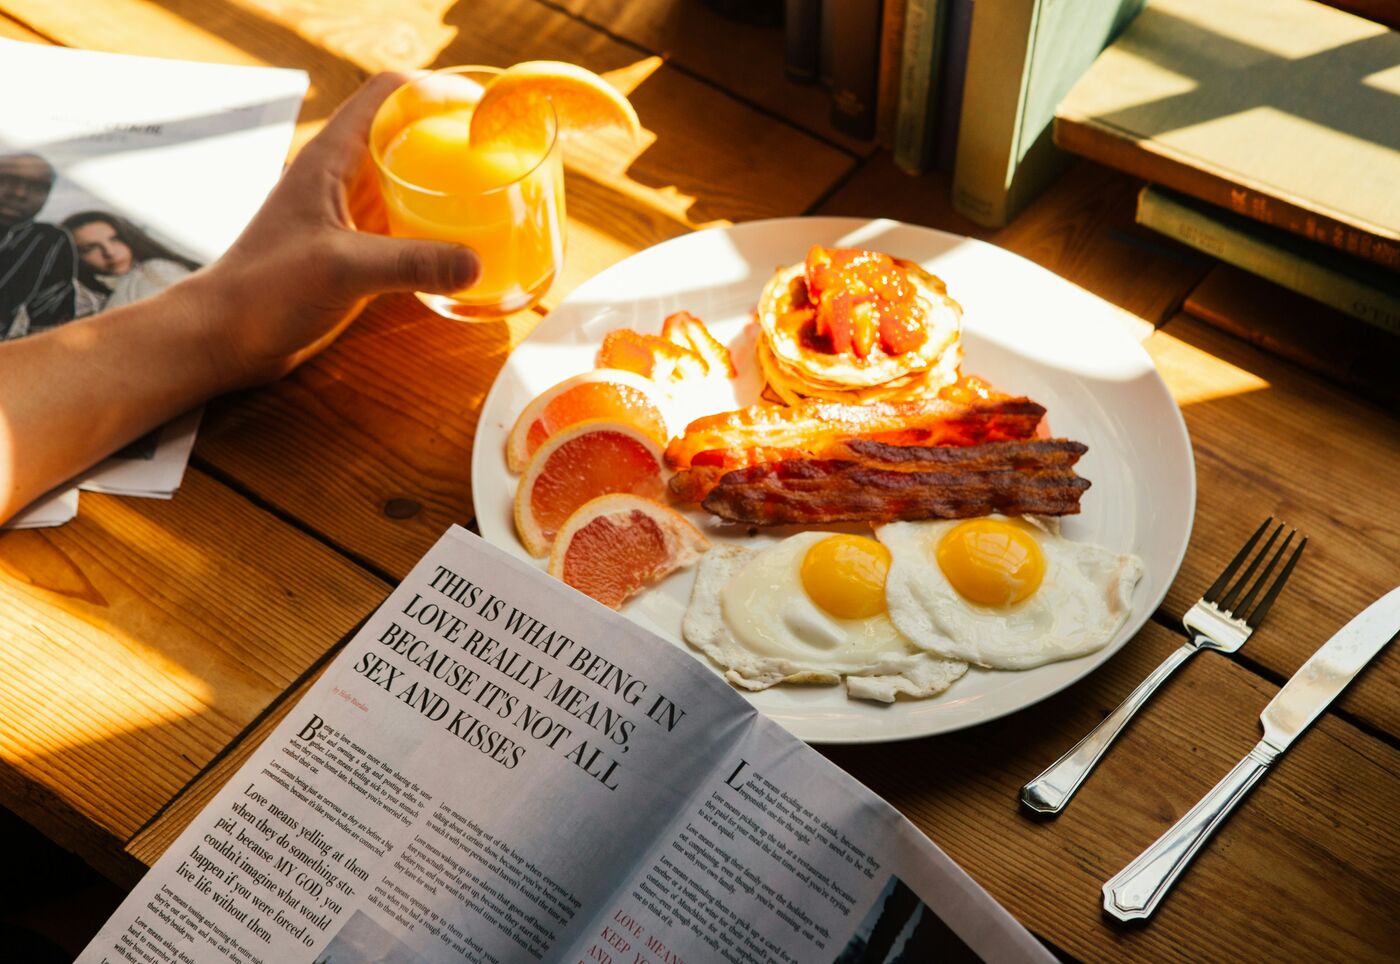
619 395
615 545
583 102
594 457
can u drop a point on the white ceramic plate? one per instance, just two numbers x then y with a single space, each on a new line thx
1025 329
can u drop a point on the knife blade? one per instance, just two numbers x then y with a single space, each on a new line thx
1136 890
1328 671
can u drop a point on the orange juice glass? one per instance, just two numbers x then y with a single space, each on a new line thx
504 200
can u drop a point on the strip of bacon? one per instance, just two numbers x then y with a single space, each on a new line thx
769 433
1013 477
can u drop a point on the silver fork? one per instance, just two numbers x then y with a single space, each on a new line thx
1220 620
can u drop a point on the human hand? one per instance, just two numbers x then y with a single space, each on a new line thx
300 271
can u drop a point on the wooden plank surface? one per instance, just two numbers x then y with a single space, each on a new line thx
692 35
370 444
143 636
151 841
12 29
1306 863
1272 439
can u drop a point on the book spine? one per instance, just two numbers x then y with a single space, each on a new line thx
918 83
1255 253
802 27
855 57
950 86
998 57
1113 150
891 56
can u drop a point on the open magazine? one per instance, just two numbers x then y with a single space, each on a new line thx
120 175
498 769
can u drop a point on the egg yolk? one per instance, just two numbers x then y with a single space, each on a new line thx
845 575
991 562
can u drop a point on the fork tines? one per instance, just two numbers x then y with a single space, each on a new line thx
1224 600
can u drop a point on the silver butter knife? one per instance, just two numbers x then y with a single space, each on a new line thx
1136 890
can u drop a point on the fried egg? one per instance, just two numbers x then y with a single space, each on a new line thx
810 609
1004 593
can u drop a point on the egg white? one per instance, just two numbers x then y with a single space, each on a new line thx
1082 603
749 613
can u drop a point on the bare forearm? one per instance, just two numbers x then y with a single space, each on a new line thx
70 396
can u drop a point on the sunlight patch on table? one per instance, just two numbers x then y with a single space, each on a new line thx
1193 375
69 686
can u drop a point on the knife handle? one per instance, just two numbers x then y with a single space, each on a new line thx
1049 792
1136 890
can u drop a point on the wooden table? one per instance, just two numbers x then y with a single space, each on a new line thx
147 645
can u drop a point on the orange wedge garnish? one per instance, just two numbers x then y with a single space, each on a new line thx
607 393
583 102
615 545
588 459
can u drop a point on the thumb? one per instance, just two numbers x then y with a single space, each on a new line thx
378 263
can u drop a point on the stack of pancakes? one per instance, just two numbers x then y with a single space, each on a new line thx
797 369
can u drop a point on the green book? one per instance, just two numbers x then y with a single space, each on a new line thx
1356 287
1023 56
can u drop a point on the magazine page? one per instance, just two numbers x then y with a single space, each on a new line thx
107 199
497 768
51 509
486 758
153 466
782 856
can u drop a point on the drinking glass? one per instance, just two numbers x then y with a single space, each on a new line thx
504 200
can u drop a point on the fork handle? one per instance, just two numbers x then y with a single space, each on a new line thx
1049 792
1136 890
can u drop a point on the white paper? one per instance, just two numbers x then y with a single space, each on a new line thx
155 475
50 510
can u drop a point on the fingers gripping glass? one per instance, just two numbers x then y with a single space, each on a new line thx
503 199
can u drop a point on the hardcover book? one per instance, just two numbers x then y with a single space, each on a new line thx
1356 287
1284 111
891 61
916 125
855 53
1022 57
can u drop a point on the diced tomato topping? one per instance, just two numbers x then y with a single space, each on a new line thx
899 332
837 310
838 279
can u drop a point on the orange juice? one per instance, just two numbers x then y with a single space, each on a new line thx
505 199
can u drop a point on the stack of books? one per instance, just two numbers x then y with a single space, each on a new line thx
952 85
1270 130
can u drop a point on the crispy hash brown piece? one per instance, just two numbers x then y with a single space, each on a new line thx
1024 477
768 433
